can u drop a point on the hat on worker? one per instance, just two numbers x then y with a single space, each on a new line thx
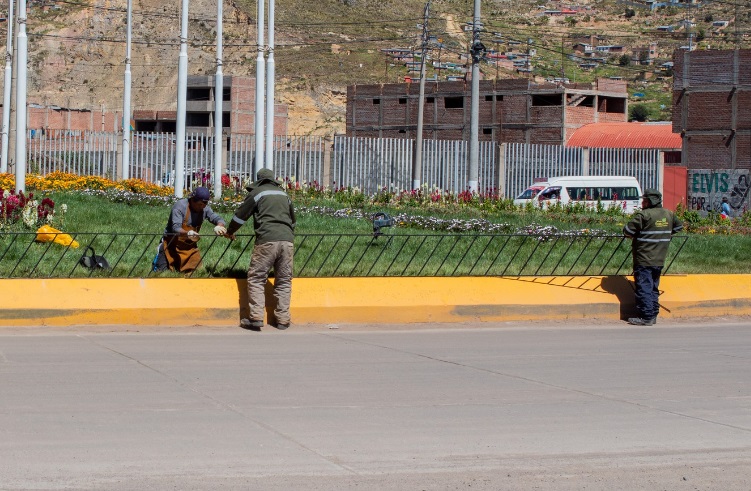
653 195
201 193
265 174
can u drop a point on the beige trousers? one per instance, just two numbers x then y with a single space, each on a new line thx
278 255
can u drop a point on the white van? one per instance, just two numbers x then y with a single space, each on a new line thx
620 191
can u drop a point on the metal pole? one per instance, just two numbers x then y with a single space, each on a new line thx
270 69
474 129
182 94
126 95
260 76
218 103
417 154
23 47
7 89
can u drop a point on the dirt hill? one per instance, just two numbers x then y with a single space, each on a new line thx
77 49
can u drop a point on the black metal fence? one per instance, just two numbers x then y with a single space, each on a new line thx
331 255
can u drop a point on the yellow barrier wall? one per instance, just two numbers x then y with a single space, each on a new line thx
221 302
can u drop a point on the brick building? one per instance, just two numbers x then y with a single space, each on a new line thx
711 97
238 112
516 110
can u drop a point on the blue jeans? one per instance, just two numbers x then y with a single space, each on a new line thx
647 279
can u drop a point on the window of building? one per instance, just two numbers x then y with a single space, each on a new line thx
612 105
227 94
499 98
489 98
454 102
197 119
198 94
402 100
487 131
376 102
430 100
547 100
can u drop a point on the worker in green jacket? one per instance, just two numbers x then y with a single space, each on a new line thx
274 225
650 230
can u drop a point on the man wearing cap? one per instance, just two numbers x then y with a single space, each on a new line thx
650 230
274 226
178 250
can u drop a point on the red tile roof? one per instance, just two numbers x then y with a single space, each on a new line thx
626 135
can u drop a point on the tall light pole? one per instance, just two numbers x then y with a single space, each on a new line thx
23 48
182 94
218 102
126 93
270 70
477 51
260 77
417 154
7 89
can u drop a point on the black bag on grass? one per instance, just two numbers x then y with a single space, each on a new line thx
93 261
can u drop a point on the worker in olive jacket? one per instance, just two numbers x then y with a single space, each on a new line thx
274 224
650 230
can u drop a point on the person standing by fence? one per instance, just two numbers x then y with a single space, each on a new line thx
274 224
650 230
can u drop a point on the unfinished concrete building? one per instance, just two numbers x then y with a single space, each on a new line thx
711 97
238 109
516 111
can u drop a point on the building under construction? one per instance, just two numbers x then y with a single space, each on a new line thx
514 110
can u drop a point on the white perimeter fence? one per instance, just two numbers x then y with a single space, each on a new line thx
370 164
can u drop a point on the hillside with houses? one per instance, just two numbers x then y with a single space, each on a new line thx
77 49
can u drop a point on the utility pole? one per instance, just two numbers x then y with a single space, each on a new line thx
22 70
126 94
7 88
417 151
563 57
218 101
260 89
182 94
477 51
270 70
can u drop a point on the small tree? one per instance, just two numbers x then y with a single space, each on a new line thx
624 60
638 112
629 13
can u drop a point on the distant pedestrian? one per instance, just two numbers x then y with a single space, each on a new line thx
274 225
650 230
178 250
725 209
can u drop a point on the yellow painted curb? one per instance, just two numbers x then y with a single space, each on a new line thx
221 302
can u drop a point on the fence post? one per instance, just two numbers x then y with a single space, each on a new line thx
501 170
119 161
661 170
327 161
585 162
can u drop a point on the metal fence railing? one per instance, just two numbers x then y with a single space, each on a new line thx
336 255
370 164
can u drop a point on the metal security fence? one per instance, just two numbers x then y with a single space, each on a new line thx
336 255
526 163
372 164
369 164
298 157
76 152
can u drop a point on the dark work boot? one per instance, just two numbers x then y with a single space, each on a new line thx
251 324
638 321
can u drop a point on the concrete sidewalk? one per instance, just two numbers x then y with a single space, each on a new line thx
221 302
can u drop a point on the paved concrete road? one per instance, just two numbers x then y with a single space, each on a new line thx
467 407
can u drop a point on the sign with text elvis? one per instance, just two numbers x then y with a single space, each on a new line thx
706 188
